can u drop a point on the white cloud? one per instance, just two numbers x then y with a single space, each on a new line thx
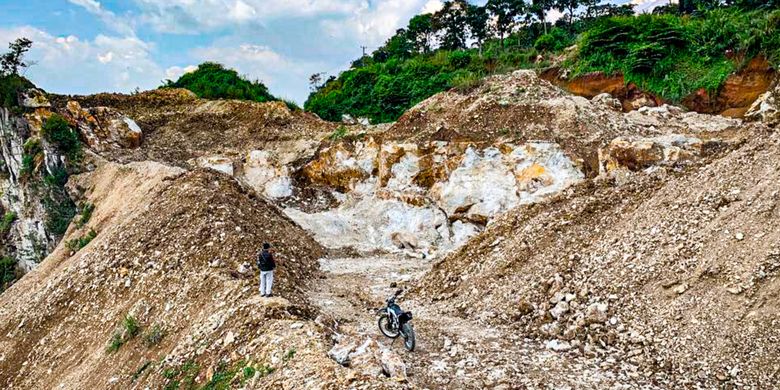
174 72
374 25
68 64
194 16
432 7
121 25
641 6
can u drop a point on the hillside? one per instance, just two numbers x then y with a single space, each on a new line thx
543 240
672 56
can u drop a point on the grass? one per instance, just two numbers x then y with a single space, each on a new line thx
85 215
77 244
338 134
154 336
130 327
288 355
468 81
7 221
182 377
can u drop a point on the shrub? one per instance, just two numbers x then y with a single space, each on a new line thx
213 81
8 220
86 214
7 272
131 326
154 336
468 81
115 343
554 41
77 244
57 131
288 355
338 134
10 87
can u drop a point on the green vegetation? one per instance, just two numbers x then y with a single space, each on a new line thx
130 327
338 134
7 221
671 53
673 56
7 272
57 131
77 244
214 81
288 355
10 64
85 214
154 336
140 370
181 378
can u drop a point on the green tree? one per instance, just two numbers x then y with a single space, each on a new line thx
13 60
452 22
539 9
505 13
421 32
477 20
569 7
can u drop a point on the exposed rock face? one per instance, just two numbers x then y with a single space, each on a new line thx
733 99
104 128
441 193
29 239
767 107
641 153
34 98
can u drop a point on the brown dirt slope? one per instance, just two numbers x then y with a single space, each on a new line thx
168 252
675 275
178 126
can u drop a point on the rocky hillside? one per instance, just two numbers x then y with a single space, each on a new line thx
549 241
673 272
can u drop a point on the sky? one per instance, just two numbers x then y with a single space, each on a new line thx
90 46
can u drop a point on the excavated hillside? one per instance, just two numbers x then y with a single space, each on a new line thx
545 241
172 251
674 273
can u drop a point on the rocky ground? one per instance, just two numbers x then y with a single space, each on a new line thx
602 249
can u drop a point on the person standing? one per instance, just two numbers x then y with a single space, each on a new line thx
267 265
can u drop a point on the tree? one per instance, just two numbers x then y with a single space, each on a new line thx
539 9
505 13
568 7
11 62
451 21
315 81
421 32
477 19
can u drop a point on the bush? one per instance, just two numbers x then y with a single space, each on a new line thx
7 222
10 87
338 134
57 131
554 41
467 81
154 336
214 81
7 272
86 214
77 244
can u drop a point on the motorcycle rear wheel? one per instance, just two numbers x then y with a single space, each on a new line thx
408 332
386 329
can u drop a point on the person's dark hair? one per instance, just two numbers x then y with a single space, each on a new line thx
266 246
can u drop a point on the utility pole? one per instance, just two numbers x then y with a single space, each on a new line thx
364 50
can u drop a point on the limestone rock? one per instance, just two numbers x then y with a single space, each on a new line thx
104 128
34 98
767 107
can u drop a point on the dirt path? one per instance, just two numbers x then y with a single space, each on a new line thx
452 352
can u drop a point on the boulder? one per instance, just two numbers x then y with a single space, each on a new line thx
635 154
217 163
596 313
104 128
34 98
767 107
608 100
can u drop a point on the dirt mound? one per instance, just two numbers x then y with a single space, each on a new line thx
521 107
675 276
170 251
177 126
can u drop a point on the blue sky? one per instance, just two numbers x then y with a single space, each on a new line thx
88 46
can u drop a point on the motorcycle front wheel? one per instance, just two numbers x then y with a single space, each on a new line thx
386 328
408 333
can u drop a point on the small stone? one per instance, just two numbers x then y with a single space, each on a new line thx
739 236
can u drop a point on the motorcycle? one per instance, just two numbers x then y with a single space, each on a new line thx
394 322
